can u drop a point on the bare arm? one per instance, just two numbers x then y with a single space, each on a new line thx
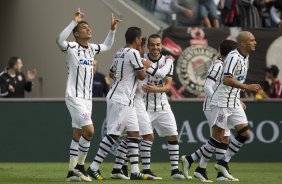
229 81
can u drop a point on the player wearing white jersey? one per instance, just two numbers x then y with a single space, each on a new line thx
79 58
157 105
212 81
128 69
227 112
145 126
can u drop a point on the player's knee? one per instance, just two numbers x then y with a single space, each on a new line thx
243 134
149 137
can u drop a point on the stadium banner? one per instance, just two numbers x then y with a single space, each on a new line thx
40 131
195 48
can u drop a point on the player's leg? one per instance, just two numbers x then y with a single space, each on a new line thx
81 118
165 125
239 121
71 176
117 172
117 114
146 131
133 140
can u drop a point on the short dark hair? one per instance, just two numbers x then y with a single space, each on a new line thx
76 28
273 69
154 36
131 34
227 46
143 41
12 61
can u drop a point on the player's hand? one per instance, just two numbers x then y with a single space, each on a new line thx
11 88
31 74
147 63
78 16
170 58
150 88
115 22
188 12
253 87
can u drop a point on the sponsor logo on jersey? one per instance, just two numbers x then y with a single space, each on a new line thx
85 61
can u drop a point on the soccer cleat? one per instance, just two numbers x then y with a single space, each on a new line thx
95 174
185 166
149 172
222 166
71 177
220 177
201 174
176 174
117 174
80 171
140 176
124 170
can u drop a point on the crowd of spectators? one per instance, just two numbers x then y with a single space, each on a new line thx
217 13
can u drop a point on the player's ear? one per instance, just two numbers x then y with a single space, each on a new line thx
76 34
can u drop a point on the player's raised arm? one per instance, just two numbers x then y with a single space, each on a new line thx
61 40
108 43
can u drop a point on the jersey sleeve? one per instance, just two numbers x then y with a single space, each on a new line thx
230 65
208 87
135 60
61 40
170 73
160 72
214 71
106 45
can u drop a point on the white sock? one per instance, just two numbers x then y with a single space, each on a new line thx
145 153
83 148
133 153
73 154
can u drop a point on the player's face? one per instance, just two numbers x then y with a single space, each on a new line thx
155 46
18 66
84 31
251 43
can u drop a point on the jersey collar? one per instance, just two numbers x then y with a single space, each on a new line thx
154 60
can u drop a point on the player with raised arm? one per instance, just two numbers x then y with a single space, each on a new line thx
219 136
128 68
156 103
79 58
145 126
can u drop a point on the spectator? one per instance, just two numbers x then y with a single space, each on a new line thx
100 83
275 90
230 13
163 10
275 12
13 83
208 10
249 13
186 12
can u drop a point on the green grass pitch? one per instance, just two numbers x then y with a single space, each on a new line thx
43 173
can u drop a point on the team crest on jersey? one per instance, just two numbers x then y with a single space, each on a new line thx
113 149
86 116
220 118
194 62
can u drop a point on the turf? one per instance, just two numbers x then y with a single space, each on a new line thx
41 173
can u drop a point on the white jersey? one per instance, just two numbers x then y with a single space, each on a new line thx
80 60
126 62
235 66
158 101
214 74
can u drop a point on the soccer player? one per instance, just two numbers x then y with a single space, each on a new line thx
128 68
212 81
79 57
227 112
145 126
157 105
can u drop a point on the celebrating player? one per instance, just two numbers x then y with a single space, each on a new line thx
145 126
128 68
79 57
212 81
157 106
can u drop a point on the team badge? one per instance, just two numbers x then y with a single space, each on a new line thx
220 118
